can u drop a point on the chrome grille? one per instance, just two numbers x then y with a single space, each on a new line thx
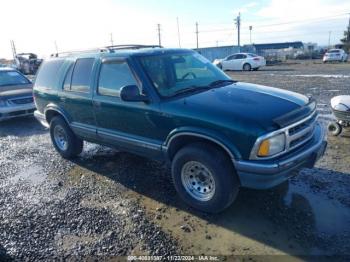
301 133
296 134
21 100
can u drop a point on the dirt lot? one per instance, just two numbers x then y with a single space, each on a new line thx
107 203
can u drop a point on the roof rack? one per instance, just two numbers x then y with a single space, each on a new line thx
118 47
104 49
67 53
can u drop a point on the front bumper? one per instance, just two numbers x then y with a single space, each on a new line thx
263 175
9 112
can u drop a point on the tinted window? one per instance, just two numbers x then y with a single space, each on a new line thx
68 78
82 75
240 56
48 73
113 77
10 78
231 57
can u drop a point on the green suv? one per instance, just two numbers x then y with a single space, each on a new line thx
173 105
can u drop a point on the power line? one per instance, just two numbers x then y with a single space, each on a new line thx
313 20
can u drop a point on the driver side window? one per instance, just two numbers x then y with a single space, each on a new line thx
114 76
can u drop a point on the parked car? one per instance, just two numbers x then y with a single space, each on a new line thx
173 105
241 61
16 94
335 55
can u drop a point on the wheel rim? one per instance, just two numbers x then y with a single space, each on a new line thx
60 137
246 67
198 181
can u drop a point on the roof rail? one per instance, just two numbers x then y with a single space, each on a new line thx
104 49
67 53
119 47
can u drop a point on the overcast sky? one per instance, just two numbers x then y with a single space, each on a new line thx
35 25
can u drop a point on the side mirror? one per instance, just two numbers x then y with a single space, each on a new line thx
132 93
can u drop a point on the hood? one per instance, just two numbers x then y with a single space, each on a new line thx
245 104
8 92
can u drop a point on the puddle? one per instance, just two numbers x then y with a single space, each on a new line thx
240 230
331 217
35 175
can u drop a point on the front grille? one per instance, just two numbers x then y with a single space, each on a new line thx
22 100
301 133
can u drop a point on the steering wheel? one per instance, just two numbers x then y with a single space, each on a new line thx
188 74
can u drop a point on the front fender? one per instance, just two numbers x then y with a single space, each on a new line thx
213 136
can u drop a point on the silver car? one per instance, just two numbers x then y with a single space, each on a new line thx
16 94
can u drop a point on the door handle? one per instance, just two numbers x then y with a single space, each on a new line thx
97 103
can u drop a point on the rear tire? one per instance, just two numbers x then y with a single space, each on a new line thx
66 143
335 129
247 67
204 177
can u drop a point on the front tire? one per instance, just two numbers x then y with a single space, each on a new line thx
204 177
66 143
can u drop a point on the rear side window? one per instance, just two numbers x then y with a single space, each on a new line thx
48 74
113 77
82 75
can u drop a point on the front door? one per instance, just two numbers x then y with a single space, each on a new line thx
124 124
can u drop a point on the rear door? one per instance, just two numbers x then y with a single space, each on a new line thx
240 60
77 97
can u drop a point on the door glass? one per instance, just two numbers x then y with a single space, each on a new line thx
68 79
82 75
113 77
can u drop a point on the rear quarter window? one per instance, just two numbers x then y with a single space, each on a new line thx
48 74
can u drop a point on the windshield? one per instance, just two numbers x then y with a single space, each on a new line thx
172 74
9 78
334 51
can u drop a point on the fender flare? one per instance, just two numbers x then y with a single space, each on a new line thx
213 136
57 109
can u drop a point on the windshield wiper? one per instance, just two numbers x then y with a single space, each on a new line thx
221 82
190 90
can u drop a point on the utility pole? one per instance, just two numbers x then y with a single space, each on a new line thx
250 34
329 39
159 39
112 43
197 34
238 24
178 31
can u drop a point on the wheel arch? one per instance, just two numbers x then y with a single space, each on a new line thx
180 138
53 110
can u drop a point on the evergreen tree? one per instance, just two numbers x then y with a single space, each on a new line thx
346 39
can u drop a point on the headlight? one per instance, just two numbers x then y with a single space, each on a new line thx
3 103
272 146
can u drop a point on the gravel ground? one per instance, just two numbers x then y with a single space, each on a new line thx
107 203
